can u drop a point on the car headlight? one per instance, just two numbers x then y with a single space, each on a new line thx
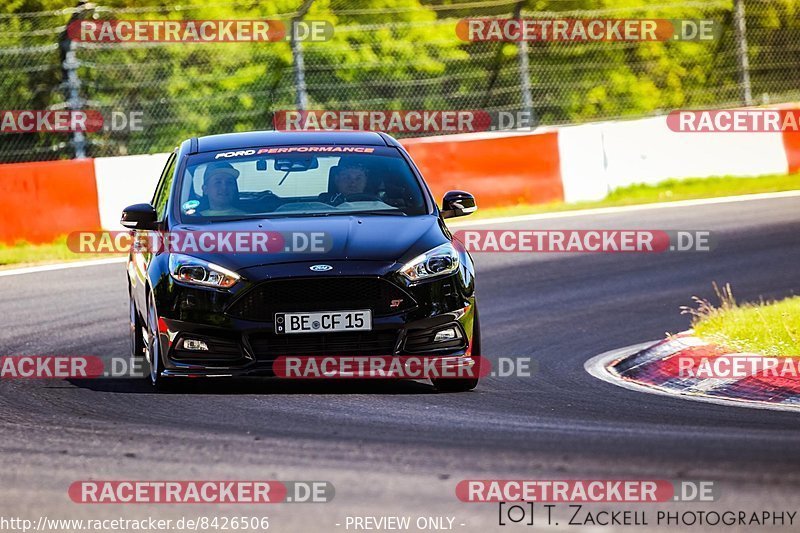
439 261
192 270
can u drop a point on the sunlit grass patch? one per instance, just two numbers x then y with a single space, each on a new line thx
767 328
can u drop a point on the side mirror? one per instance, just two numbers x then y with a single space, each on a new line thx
458 204
139 216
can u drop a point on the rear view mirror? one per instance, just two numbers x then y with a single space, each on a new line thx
296 164
139 216
458 204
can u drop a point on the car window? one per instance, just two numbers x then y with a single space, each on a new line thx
250 179
275 181
163 188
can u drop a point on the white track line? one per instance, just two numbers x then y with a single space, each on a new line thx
627 208
598 367
481 222
61 266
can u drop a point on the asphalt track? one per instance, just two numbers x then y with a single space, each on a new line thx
400 448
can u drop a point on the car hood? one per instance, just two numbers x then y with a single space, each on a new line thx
385 238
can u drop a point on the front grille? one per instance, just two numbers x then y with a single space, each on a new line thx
269 345
320 294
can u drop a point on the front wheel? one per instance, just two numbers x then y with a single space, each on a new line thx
136 335
463 384
153 346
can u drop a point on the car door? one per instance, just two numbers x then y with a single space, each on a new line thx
143 254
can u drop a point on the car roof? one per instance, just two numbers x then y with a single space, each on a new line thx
232 141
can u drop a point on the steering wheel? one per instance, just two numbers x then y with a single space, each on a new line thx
362 197
263 195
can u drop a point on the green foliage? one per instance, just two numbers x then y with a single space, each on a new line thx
384 54
766 328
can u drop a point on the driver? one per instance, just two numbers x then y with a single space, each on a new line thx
221 190
350 179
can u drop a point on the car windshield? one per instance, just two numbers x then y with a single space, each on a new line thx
298 181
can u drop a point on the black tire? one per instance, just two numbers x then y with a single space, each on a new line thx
153 351
465 384
137 339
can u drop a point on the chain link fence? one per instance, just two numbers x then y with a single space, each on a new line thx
401 54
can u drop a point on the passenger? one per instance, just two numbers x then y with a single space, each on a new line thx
221 190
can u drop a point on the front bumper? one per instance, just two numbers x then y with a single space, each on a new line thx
240 347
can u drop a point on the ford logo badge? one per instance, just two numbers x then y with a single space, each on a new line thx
320 268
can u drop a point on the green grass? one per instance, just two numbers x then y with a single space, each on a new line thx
23 253
666 191
767 328
26 254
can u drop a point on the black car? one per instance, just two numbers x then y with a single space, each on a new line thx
386 278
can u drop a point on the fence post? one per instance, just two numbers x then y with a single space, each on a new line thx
70 80
524 70
525 79
299 74
297 58
740 31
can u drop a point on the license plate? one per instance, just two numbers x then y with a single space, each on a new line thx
323 322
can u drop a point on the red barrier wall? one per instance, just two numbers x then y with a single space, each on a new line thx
791 144
43 200
499 170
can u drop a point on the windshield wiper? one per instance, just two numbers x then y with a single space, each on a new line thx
289 214
378 212
214 220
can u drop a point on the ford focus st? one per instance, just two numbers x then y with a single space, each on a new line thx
301 245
